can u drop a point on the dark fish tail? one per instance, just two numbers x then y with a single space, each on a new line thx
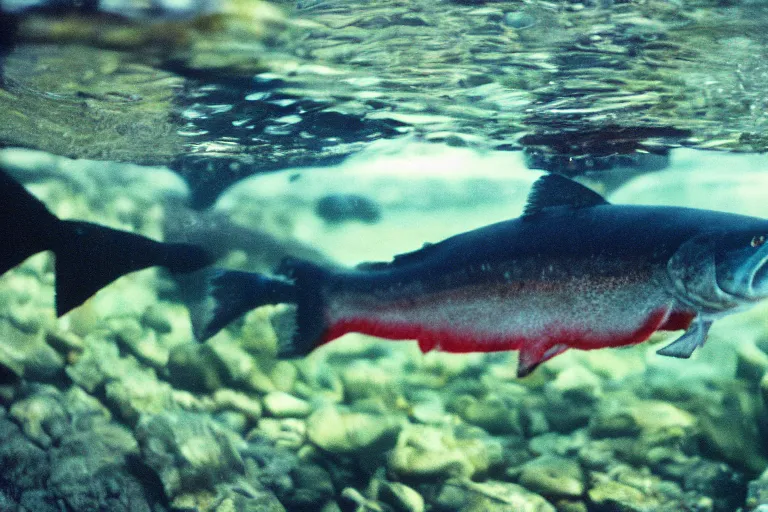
90 256
311 324
26 225
228 294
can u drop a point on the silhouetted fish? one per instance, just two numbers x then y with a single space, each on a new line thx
219 235
88 256
574 271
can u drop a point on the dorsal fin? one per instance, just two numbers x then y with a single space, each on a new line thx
553 190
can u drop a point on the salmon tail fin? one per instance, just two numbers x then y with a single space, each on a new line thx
27 225
215 297
90 256
311 324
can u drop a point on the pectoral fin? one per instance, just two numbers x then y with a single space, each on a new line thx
684 346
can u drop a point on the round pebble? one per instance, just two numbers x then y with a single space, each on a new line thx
283 405
350 432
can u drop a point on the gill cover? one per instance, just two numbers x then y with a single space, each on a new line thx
693 272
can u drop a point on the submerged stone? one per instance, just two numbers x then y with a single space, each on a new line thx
290 433
431 453
136 394
467 496
627 416
90 471
344 432
620 497
312 486
26 353
195 367
401 497
227 399
244 498
553 476
189 452
42 417
491 414
284 405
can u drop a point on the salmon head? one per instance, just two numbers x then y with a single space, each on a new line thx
718 272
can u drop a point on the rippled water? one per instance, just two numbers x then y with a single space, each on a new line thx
578 86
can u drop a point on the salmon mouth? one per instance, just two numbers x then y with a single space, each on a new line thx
750 280
760 279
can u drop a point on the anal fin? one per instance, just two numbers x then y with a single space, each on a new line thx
693 338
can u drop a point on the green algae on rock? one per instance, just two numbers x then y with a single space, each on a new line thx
553 476
342 432
467 496
188 452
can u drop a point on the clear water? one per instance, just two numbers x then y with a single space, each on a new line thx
345 132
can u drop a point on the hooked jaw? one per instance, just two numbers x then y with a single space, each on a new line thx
715 275
749 278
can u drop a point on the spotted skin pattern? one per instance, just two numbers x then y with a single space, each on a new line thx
539 318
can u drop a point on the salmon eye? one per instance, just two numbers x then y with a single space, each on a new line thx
757 240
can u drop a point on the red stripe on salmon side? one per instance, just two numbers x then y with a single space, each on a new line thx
458 341
677 320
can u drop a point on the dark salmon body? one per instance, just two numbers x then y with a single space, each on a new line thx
573 272
88 256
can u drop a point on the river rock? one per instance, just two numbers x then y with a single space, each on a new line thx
577 383
227 399
66 343
401 497
284 375
283 405
89 471
312 486
155 318
620 497
27 354
258 337
189 452
627 416
24 466
139 340
290 433
430 453
243 497
138 393
751 362
494 416
730 429
196 368
42 417
757 493
343 432
363 379
101 362
550 475
468 496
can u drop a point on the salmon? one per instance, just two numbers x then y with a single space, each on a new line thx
88 256
573 272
